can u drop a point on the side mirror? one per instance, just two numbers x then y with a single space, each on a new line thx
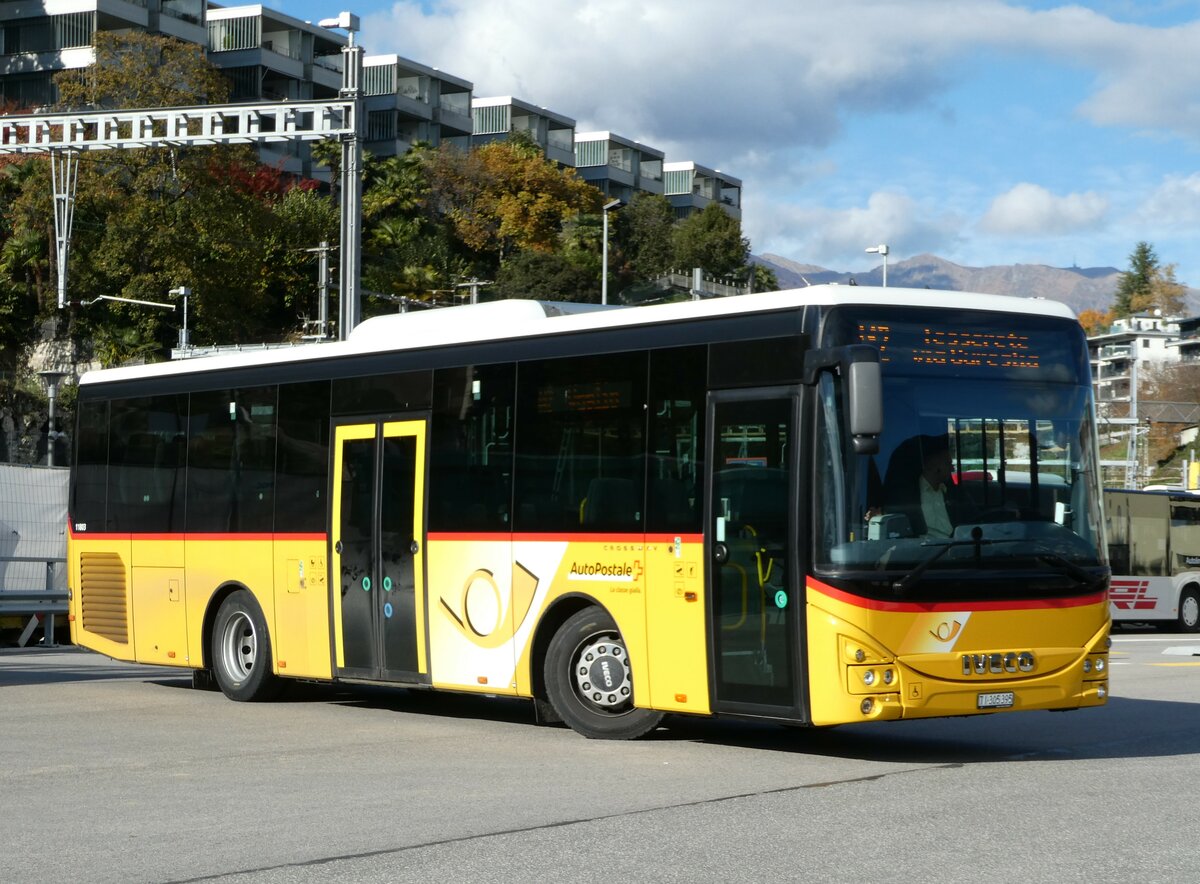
858 365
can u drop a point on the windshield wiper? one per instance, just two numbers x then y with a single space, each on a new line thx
1066 566
944 546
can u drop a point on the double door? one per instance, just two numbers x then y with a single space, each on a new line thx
377 556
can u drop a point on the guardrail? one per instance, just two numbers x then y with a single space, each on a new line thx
42 605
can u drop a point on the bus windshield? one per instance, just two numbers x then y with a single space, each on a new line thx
985 481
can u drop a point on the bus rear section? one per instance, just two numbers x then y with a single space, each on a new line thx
1154 544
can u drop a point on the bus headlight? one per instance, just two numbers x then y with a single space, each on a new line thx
1087 667
868 677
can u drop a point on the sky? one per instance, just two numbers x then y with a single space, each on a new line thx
981 131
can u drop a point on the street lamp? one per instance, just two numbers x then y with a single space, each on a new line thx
604 278
52 379
882 251
183 291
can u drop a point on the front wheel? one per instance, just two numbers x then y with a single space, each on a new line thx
1189 610
589 680
241 650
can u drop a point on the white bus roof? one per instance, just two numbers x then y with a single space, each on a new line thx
506 320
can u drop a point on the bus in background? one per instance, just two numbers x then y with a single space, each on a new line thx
1154 550
706 508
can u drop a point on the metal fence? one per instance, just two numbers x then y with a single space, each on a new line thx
33 546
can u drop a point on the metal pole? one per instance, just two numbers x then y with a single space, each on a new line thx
50 426
604 247
64 171
604 262
323 289
350 308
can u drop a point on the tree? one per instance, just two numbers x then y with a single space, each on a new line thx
1134 285
1147 285
134 70
1166 293
547 276
711 239
643 238
149 220
505 197
1096 322
765 279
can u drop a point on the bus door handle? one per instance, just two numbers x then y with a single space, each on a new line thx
337 547
720 553
414 547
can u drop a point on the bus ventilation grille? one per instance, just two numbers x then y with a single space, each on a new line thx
102 596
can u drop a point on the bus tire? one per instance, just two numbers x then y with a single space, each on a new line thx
589 681
241 651
1189 610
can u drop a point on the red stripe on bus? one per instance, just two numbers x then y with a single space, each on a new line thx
497 536
191 538
930 607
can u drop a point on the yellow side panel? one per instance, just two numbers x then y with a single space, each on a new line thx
675 629
215 562
301 629
159 616
610 572
476 611
158 552
113 599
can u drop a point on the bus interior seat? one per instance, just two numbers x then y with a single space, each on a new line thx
669 499
611 503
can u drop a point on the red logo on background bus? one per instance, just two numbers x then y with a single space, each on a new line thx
1130 595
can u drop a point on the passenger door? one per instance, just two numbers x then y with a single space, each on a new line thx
377 557
755 592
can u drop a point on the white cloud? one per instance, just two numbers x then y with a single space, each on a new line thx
1175 201
1031 210
763 90
840 236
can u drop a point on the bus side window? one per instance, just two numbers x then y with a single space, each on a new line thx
581 419
470 486
676 440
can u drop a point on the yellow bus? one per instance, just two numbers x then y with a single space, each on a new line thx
703 508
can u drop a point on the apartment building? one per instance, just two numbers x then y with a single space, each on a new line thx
690 187
1142 341
269 55
495 118
407 102
620 167
38 39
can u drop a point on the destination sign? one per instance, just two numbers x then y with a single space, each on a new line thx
935 346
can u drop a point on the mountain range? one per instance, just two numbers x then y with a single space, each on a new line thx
1081 288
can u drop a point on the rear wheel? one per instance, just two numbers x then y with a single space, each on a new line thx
241 650
1189 610
589 681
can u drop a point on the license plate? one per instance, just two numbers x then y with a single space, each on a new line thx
997 700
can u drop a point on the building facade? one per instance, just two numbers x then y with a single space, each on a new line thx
495 118
620 167
690 187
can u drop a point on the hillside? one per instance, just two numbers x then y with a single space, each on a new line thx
1082 288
